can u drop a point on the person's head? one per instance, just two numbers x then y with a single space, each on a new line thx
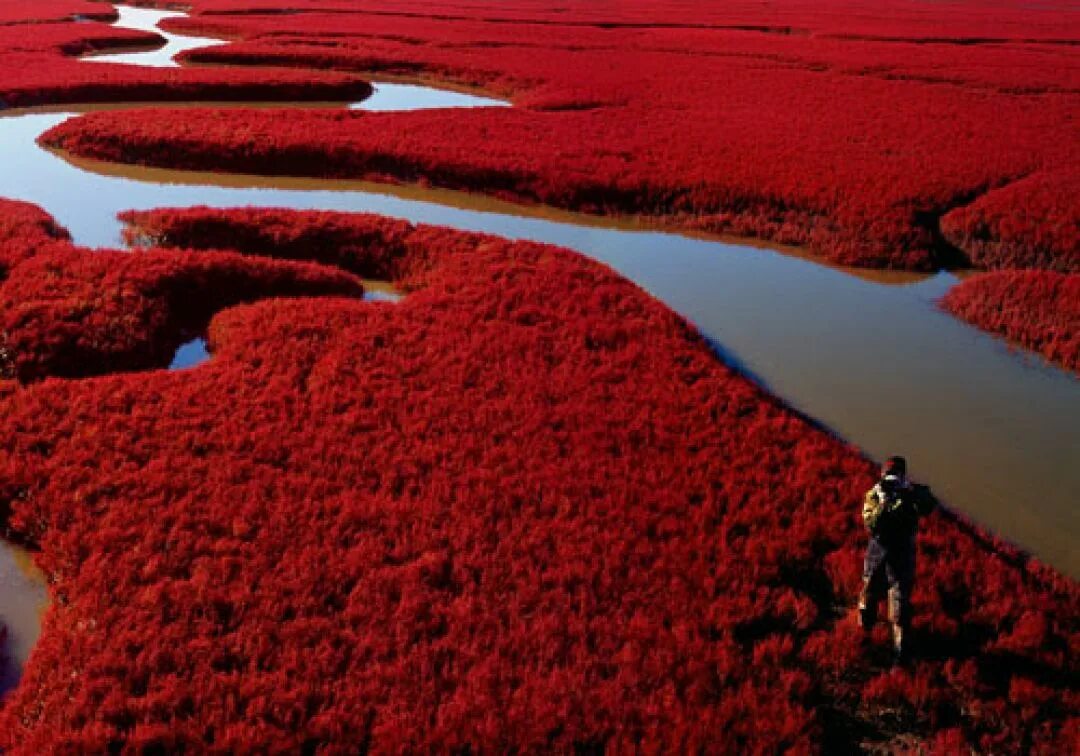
894 470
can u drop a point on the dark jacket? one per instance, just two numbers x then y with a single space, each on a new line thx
891 513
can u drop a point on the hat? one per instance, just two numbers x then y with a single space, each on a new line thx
894 466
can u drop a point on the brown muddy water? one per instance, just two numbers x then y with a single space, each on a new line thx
23 600
994 430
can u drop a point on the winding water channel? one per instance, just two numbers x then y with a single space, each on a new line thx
994 430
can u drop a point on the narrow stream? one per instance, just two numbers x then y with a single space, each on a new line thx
992 429
388 96
147 19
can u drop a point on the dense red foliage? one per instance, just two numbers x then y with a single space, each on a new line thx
1033 223
524 508
68 39
1018 68
25 230
369 246
21 12
70 313
39 65
1037 309
850 127
53 82
898 19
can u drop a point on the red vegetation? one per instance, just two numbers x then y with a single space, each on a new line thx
25 230
523 509
898 19
851 128
22 12
1033 223
39 65
1037 309
369 246
56 83
70 313
67 39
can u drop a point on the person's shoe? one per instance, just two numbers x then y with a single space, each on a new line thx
900 646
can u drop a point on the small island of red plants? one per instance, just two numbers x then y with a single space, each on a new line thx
1039 310
524 508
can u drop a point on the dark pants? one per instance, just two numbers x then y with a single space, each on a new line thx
891 567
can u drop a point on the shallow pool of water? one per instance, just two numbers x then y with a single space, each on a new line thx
394 97
381 291
190 354
23 600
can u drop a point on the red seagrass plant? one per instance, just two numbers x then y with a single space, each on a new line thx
524 508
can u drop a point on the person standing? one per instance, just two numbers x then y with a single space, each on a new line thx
891 512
